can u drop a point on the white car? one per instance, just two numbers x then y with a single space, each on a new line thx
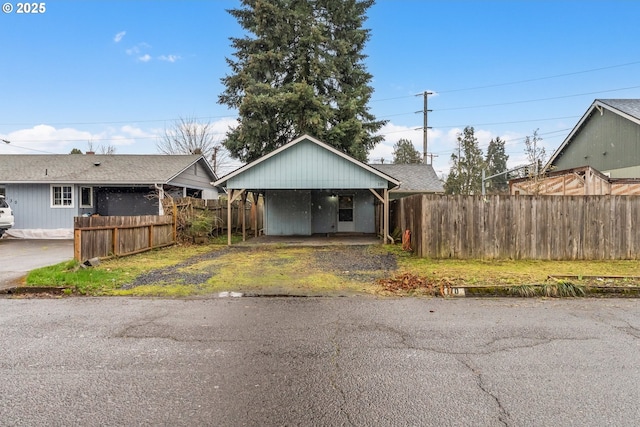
6 216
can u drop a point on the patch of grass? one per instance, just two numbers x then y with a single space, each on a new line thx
167 291
113 273
293 269
525 291
506 272
562 288
84 281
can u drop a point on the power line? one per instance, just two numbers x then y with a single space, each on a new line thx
537 100
540 78
534 79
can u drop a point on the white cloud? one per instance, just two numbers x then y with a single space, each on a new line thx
392 134
169 58
45 138
144 58
137 49
118 37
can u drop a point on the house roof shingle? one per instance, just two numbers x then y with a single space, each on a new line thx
627 106
93 169
414 178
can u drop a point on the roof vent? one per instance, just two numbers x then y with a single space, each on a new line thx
96 164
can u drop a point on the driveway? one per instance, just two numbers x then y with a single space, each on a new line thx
18 257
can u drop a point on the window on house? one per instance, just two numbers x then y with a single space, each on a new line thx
86 197
61 196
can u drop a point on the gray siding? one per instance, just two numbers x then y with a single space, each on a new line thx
605 142
305 212
287 213
31 205
306 165
197 177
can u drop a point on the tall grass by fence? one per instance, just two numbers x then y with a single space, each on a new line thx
522 227
105 236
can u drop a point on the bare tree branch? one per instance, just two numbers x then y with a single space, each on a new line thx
188 136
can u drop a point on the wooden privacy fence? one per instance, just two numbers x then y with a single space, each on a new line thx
522 227
106 236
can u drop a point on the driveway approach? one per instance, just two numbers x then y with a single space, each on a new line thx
18 257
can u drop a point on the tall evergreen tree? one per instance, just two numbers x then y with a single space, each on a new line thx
300 70
404 152
496 162
465 176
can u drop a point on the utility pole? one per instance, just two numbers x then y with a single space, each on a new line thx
425 127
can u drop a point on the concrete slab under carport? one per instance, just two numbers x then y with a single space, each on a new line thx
313 240
19 256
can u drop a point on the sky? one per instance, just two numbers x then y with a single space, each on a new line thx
118 73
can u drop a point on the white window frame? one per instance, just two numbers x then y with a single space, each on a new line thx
62 205
82 205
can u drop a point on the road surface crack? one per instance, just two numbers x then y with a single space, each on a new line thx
503 414
336 374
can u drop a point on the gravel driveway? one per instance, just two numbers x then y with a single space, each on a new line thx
355 262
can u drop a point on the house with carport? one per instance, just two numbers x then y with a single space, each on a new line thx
310 187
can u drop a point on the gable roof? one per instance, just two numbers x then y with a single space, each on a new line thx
627 108
414 178
117 169
391 182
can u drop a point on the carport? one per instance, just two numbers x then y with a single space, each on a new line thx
310 187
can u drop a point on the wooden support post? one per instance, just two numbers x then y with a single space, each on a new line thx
386 214
174 212
229 197
233 196
243 203
255 196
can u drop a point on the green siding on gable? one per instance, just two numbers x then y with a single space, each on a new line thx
607 142
306 165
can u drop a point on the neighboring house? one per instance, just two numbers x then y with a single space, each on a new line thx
414 178
583 181
310 187
47 191
607 138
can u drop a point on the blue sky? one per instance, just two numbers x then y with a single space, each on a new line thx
118 72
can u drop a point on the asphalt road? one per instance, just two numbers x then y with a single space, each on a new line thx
319 362
18 257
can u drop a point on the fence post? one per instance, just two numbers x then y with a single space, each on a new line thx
77 246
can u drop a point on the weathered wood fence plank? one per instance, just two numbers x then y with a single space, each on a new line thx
522 227
106 236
